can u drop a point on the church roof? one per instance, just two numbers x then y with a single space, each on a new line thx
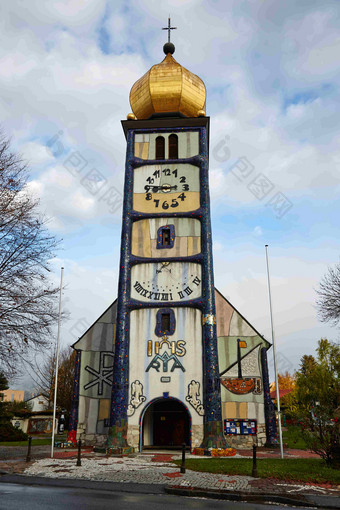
168 88
230 322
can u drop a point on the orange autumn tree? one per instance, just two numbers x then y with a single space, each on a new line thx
286 382
288 401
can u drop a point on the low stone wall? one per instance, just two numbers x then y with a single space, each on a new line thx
246 442
133 436
197 434
92 439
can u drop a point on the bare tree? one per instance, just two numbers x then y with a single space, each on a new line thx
44 377
28 300
328 302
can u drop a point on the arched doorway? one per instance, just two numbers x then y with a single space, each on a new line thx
165 423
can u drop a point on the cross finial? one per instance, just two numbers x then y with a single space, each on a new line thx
169 28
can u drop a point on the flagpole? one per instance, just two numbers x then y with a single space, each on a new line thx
274 355
57 362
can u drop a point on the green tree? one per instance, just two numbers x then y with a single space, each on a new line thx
7 431
318 397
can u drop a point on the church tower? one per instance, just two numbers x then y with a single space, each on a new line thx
171 357
166 384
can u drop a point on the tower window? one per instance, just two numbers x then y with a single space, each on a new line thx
160 147
165 322
173 147
166 237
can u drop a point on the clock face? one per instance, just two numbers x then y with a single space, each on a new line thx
166 281
166 188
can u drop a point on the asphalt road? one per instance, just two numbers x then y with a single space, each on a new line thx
24 497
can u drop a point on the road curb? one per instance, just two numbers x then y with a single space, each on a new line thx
307 500
83 483
251 497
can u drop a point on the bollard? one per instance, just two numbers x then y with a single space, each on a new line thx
183 459
254 472
79 453
28 456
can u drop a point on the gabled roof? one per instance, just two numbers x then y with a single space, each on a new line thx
97 320
243 318
216 290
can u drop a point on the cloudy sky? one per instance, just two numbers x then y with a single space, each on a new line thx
272 75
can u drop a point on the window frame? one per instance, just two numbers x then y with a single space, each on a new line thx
158 330
161 139
159 244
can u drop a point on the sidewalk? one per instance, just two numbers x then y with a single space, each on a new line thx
157 469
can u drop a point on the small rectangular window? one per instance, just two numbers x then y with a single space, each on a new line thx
166 237
165 322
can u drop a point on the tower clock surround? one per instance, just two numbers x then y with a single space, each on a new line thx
134 294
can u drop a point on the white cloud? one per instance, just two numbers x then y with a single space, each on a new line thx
258 231
36 154
271 71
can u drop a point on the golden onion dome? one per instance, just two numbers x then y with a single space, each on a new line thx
168 87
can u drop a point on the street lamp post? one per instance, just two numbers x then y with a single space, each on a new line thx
274 355
57 362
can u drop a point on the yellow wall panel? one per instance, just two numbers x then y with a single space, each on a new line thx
242 410
194 245
234 410
191 202
104 409
228 410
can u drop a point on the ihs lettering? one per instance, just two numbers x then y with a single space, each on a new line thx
176 347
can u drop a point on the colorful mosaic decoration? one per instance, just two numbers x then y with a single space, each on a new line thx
172 326
208 319
73 421
242 386
166 231
214 452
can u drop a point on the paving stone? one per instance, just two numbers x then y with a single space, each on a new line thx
149 469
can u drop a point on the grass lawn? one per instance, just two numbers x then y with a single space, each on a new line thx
35 441
293 438
305 470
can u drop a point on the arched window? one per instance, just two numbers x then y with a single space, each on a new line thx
173 147
160 147
165 322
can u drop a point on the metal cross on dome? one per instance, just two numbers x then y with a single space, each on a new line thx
169 28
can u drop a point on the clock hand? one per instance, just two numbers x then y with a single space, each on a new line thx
163 187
